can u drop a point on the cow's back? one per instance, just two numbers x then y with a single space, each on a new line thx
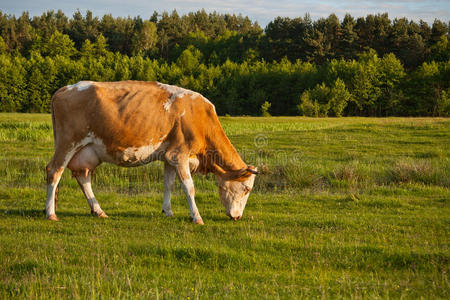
129 113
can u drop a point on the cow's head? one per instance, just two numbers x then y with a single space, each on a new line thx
235 189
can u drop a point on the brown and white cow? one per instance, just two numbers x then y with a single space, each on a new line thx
132 123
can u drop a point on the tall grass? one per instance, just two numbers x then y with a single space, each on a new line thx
287 155
25 132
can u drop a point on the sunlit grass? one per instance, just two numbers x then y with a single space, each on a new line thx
344 208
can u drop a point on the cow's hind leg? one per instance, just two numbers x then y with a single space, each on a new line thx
169 179
54 173
82 166
55 170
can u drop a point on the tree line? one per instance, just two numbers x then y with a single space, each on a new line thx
370 66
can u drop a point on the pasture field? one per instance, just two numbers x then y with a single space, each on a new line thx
344 208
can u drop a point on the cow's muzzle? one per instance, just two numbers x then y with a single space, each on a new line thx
235 218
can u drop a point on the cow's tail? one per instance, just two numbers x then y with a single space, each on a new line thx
53 120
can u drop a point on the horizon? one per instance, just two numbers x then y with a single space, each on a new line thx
261 11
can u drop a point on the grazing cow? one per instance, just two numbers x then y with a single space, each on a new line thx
132 123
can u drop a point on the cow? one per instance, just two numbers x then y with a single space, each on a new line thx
132 123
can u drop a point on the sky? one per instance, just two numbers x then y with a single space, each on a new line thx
262 11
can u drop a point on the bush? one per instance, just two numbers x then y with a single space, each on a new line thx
307 107
265 109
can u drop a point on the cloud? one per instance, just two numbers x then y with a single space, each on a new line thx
261 10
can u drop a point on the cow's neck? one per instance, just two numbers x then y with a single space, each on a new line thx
223 157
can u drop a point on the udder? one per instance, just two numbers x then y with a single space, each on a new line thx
84 160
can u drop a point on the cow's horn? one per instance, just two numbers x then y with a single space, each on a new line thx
251 170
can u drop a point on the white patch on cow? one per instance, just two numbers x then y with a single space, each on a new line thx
131 156
234 194
176 92
51 194
169 103
85 183
193 163
140 153
189 185
50 203
182 114
188 188
81 86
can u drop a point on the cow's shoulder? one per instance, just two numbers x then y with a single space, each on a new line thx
183 98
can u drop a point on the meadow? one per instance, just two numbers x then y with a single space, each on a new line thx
343 208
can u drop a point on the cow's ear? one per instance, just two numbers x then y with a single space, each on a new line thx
239 175
253 170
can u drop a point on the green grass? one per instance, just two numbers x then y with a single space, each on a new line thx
344 208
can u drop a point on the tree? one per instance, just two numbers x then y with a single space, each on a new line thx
349 39
170 32
49 22
100 46
441 50
332 34
87 49
366 90
81 28
13 86
390 75
2 46
59 44
40 77
437 31
189 59
24 33
424 89
145 38
307 106
315 102
121 67
443 104
230 59
339 96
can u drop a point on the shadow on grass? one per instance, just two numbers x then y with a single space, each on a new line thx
22 212
36 213
146 215
41 213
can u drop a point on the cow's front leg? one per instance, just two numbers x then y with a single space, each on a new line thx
169 179
187 184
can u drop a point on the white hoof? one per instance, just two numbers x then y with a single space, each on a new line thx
198 221
168 213
100 214
52 217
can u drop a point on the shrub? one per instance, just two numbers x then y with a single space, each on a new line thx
265 109
307 107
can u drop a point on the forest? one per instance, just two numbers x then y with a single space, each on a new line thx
366 66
